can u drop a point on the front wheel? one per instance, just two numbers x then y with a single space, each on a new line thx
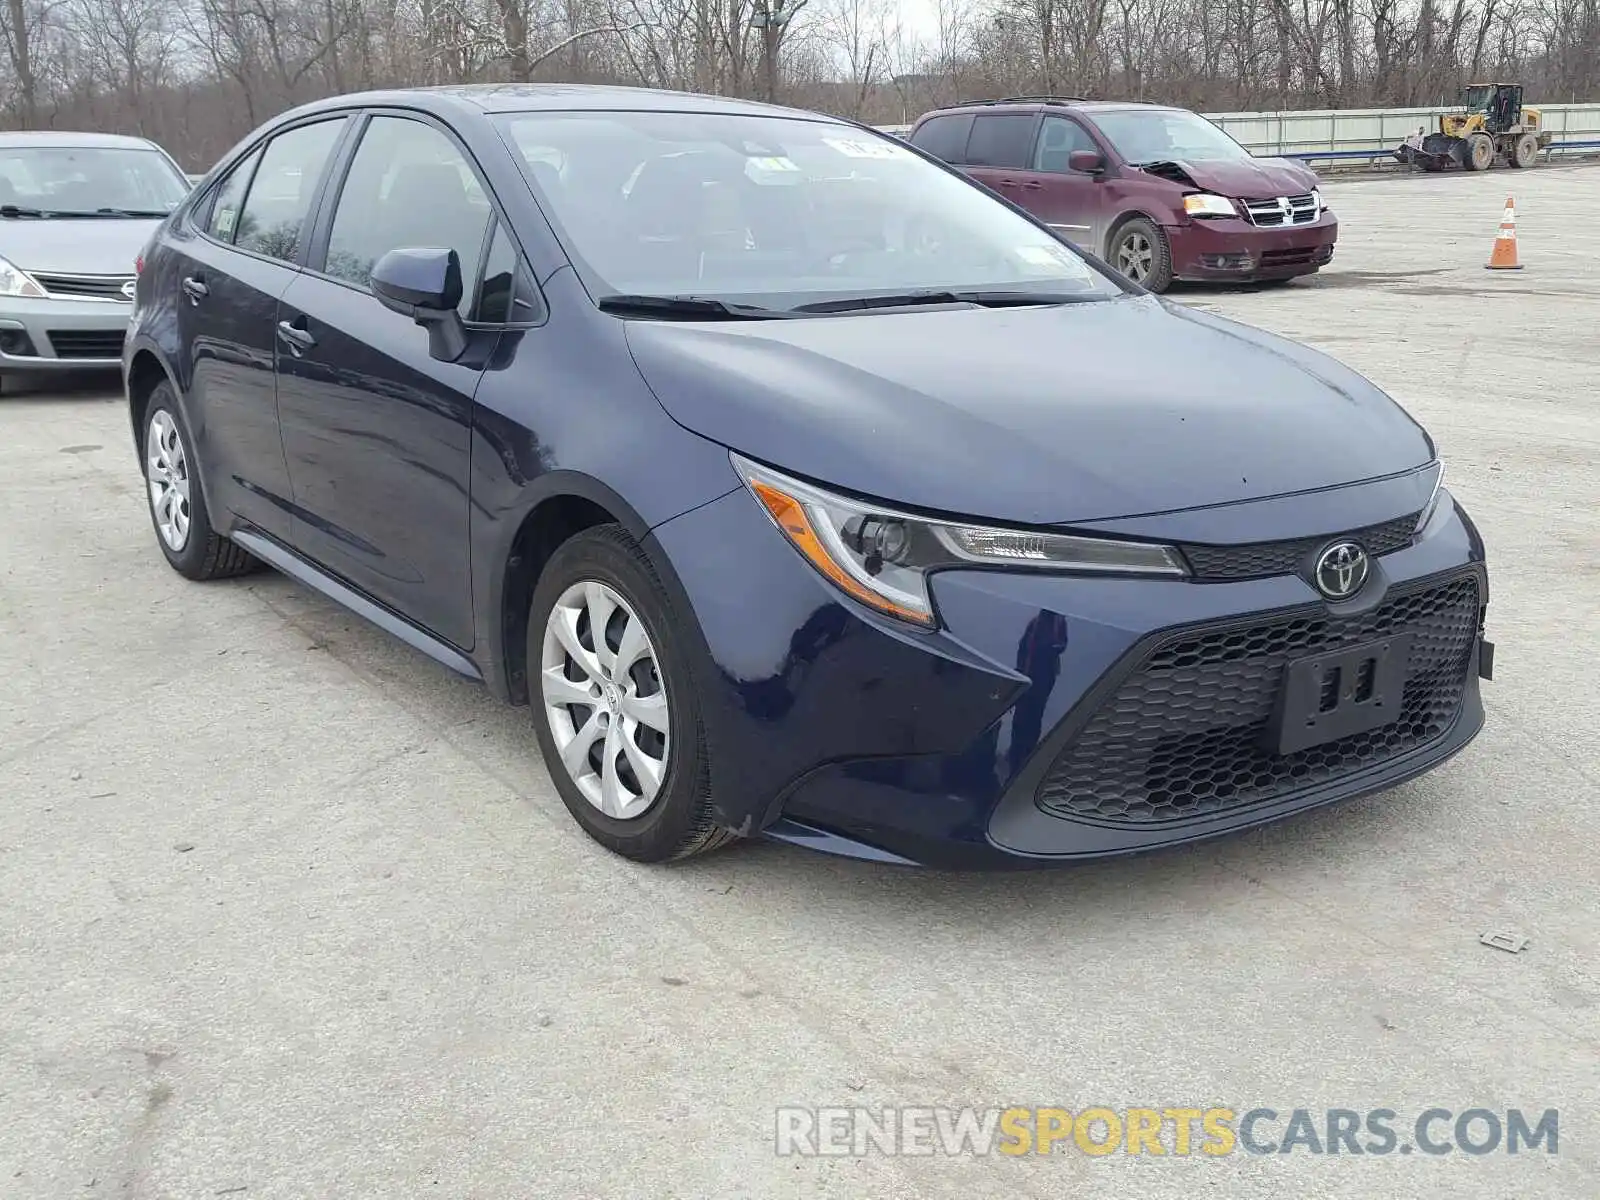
1139 252
614 705
1479 153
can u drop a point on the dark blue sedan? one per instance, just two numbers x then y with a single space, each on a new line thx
800 486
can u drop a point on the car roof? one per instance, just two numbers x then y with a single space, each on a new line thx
65 139
558 97
1031 104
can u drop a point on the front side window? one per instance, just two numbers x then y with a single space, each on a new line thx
75 181
1151 135
1057 141
274 216
775 211
408 187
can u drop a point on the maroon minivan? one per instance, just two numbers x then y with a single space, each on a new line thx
1159 193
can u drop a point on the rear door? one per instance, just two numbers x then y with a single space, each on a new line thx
233 267
1000 154
1069 201
378 432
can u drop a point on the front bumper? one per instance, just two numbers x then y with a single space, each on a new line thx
61 335
830 727
1234 249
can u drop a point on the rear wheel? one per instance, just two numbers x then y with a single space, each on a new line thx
177 507
1139 252
1480 152
1527 151
614 706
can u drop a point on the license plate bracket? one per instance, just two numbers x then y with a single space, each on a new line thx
1325 697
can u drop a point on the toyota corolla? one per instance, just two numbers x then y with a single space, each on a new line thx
799 486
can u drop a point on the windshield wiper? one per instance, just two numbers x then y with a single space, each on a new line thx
985 299
685 306
17 210
125 212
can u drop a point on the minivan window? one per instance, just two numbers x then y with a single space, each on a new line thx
944 136
775 211
408 187
1146 135
1001 140
273 218
1057 140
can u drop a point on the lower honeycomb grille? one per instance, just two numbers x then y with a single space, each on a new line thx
1184 734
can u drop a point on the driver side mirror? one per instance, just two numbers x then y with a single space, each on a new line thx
425 285
1088 162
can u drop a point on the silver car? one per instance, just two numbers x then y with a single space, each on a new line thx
75 211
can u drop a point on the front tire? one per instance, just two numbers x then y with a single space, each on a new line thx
1480 153
614 704
1139 252
177 504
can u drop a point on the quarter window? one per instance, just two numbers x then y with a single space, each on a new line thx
505 293
222 222
945 137
409 187
273 220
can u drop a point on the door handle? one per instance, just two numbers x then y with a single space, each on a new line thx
1008 183
1033 185
295 336
195 288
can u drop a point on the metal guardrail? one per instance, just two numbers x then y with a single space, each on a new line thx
1365 134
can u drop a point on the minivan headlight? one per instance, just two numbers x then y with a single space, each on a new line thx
1322 204
1202 205
883 557
14 281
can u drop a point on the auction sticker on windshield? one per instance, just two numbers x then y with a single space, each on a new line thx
862 149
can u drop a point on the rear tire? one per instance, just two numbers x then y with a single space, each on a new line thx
1526 152
1138 251
640 718
1479 154
177 501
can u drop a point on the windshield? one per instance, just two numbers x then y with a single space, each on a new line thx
776 212
1478 97
1146 135
80 181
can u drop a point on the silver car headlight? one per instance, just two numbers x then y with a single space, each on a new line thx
883 557
14 281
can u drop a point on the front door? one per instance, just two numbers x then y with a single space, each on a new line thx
1069 201
377 432
231 272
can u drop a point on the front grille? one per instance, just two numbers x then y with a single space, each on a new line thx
86 343
1184 734
1284 210
95 287
1288 258
1255 560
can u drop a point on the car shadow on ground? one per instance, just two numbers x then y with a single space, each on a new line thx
105 386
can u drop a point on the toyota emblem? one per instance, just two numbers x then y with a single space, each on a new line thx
1341 570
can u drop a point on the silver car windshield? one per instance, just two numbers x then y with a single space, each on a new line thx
1143 135
776 211
79 181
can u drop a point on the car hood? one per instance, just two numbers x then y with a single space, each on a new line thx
1252 178
75 246
1061 415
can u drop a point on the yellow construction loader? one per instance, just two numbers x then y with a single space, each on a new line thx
1493 127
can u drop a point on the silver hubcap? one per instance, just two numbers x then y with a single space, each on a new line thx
605 700
168 472
1134 256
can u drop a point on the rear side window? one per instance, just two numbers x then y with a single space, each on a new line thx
273 220
944 137
1059 138
222 221
1001 140
408 188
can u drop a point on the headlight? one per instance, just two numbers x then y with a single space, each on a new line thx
1322 205
14 281
883 558
1202 205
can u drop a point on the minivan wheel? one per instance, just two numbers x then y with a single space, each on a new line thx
1139 252
177 507
614 706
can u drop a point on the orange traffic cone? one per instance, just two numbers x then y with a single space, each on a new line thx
1504 256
